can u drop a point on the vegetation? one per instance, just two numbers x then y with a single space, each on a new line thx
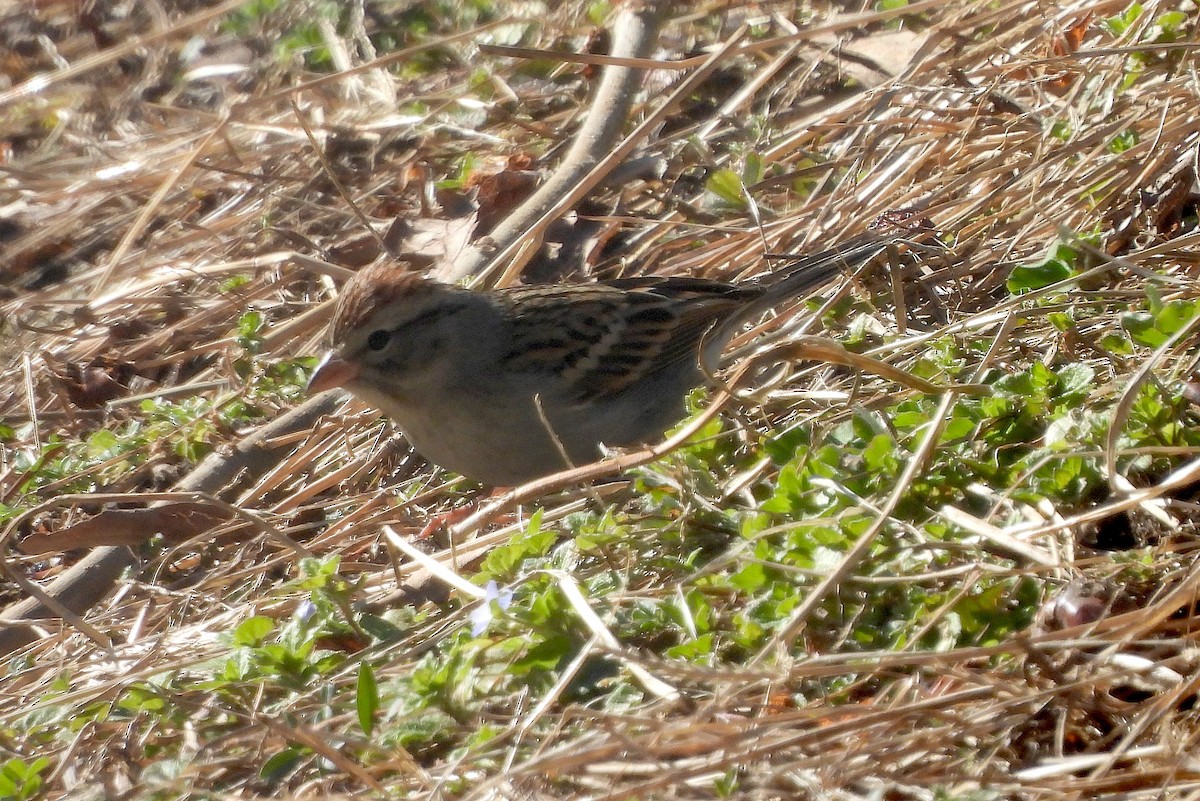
840 586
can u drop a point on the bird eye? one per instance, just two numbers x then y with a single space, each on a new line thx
378 339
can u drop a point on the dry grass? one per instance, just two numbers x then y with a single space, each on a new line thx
151 219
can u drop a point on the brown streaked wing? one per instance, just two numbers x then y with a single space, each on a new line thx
601 338
648 325
558 330
695 321
699 305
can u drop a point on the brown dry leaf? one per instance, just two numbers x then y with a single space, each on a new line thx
1072 37
438 240
500 193
878 57
90 386
355 251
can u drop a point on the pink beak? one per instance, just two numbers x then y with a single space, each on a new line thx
332 372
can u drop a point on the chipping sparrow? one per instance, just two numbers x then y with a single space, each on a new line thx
508 385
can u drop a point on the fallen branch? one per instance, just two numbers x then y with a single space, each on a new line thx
634 35
90 579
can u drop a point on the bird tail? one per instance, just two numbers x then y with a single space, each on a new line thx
803 274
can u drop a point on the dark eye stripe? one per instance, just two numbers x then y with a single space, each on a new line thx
381 338
424 318
427 317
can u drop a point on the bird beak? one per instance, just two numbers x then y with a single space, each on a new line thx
332 372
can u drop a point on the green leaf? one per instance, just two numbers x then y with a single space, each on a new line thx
233 283
249 328
1162 321
695 649
1174 315
381 628
1140 325
1075 379
727 185
958 428
1119 24
546 655
750 579
1123 141
366 698
1171 22
910 419
1058 433
279 765
141 698
1056 266
788 444
253 631
501 564
726 786
20 780
1116 344
753 169
879 454
463 177
598 12
317 574
1061 320
250 324
103 444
